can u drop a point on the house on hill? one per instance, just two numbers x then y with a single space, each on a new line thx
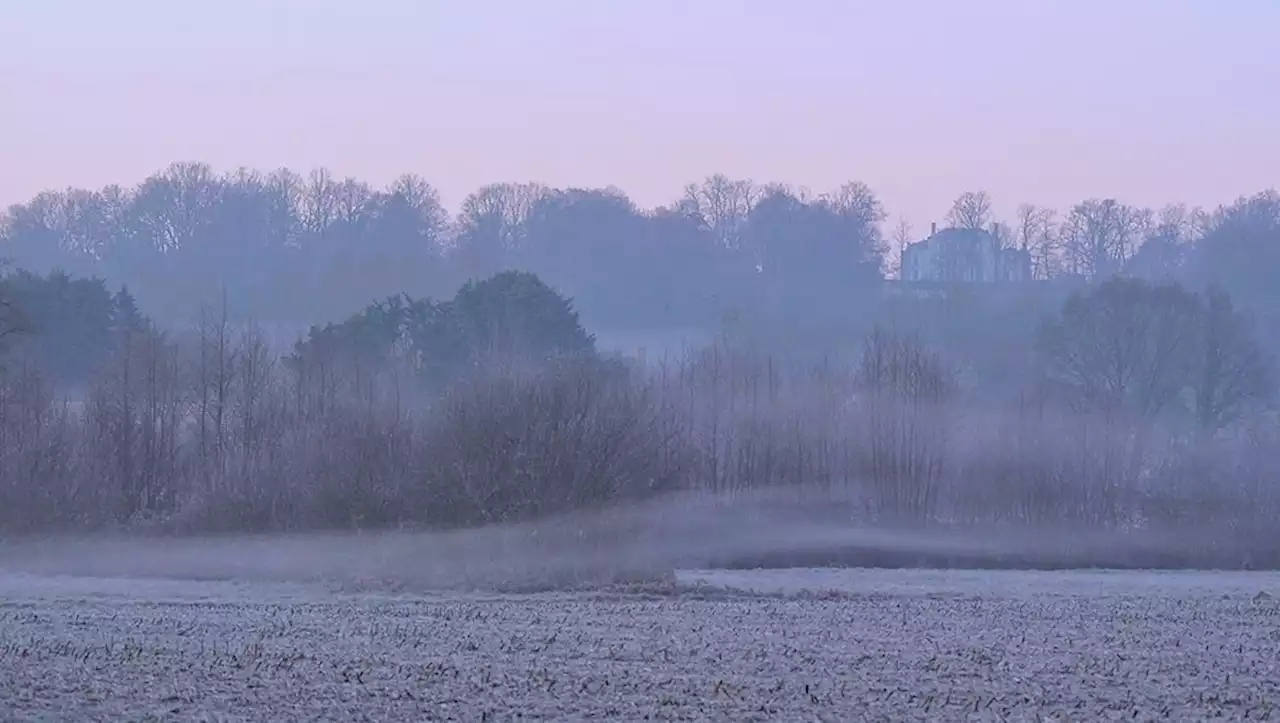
964 255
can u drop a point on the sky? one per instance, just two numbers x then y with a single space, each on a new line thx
1148 101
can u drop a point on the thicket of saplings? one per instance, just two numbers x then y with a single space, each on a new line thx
221 436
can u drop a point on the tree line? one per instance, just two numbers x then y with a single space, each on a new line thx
210 428
1138 403
1132 384
300 249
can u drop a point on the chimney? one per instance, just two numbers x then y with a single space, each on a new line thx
933 228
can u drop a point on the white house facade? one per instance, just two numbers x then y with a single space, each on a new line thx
964 255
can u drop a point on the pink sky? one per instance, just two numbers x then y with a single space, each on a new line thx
1048 102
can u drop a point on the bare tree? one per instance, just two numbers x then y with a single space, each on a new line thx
513 444
214 385
36 225
352 201
1125 345
318 207
90 219
1124 353
723 204
38 474
284 191
1003 234
492 224
1035 233
901 237
1099 236
255 371
861 211
856 200
972 210
903 391
13 322
1232 370
173 208
423 200
1166 243
1238 250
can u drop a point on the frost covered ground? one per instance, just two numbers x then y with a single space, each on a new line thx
710 645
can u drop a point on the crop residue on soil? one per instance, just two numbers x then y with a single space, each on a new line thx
869 644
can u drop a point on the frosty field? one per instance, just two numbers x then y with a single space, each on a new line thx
710 645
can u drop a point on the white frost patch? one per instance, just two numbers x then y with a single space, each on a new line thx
983 583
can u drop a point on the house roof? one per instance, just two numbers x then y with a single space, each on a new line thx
971 236
967 237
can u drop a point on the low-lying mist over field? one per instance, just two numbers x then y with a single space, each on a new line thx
1138 431
631 614
645 543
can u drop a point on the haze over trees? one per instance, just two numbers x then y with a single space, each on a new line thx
448 371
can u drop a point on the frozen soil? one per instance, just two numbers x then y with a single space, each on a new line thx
709 645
